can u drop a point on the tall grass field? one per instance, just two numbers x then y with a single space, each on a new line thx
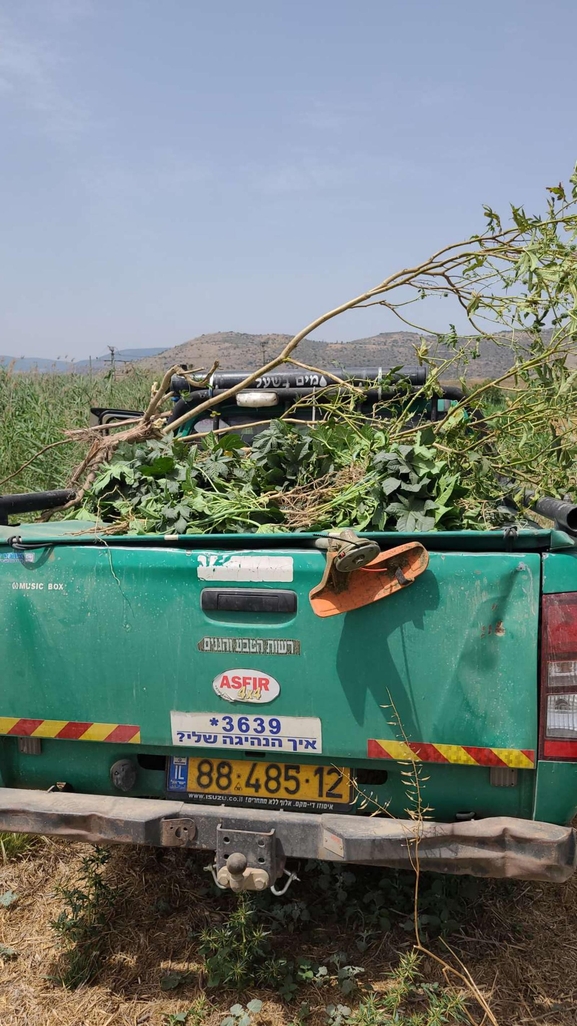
36 409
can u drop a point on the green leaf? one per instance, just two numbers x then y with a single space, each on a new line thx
474 304
410 522
390 484
417 486
159 467
254 1006
230 442
172 980
83 514
237 1010
7 952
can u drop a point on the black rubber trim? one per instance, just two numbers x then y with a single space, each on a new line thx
248 600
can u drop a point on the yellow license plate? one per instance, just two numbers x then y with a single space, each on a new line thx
267 783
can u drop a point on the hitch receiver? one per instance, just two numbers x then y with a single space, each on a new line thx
247 860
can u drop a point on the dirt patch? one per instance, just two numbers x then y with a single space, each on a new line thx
516 939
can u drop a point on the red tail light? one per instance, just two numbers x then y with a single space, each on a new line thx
558 733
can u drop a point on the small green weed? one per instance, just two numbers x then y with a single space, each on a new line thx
194 1016
337 1015
239 954
408 1001
241 1016
15 846
82 923
345 976
369 1012
302 1015
173 980
291 915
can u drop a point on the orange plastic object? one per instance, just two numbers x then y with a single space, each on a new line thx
389 572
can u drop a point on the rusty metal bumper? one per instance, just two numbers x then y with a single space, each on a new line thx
494 847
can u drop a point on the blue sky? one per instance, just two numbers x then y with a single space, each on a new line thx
174 167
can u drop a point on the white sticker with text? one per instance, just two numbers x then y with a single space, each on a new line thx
215 730
223 567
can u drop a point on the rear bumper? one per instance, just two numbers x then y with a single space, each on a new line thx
494 847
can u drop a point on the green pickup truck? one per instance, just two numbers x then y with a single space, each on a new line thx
184 691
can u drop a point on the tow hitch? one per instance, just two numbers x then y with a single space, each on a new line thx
248 861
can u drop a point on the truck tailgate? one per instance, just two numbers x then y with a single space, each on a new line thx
113 643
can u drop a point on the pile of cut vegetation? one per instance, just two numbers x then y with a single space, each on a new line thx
336 474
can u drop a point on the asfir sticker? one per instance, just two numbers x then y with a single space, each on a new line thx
252 686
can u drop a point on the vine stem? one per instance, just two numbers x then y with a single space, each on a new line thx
52 445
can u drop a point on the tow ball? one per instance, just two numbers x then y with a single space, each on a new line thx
247 860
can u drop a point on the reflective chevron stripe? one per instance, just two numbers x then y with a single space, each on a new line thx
69 730
465 755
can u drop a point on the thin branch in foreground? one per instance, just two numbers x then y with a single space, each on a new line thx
52 445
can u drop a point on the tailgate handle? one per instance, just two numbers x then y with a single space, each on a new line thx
248 600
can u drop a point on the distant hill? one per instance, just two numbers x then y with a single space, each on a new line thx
98 363
239 351
236 351
32 363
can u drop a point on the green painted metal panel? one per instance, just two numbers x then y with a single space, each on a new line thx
556 792
559 572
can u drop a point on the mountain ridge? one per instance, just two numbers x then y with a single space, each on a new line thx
238 351
243 351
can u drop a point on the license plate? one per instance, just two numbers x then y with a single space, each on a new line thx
271 784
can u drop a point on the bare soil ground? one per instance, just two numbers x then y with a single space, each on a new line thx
516 939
